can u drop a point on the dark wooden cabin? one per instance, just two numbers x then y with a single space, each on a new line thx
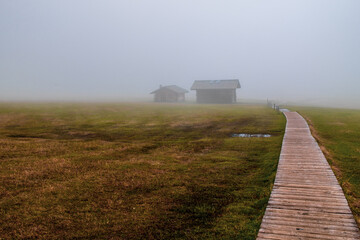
170 93
216 91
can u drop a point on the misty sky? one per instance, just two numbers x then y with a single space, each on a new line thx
298 50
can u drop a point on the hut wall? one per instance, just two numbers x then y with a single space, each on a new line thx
168 96
181 97
216 95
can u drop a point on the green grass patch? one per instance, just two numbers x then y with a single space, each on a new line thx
338 132
135 171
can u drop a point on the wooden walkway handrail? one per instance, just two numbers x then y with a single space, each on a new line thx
306 202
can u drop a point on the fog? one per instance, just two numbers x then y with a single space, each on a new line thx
299 51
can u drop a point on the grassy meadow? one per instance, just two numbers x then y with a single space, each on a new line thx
338 132
143 171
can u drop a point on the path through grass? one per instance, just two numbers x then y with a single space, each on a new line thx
338 132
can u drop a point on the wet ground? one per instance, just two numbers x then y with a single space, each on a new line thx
246 135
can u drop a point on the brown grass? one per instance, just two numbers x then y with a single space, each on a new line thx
132 171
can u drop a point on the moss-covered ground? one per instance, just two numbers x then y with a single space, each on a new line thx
143 171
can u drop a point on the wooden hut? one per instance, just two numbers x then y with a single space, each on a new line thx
170 93
216 91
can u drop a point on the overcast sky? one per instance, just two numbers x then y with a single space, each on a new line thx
298 50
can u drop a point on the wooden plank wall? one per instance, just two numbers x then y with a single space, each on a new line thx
306 202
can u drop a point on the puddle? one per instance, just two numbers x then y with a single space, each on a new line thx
246 135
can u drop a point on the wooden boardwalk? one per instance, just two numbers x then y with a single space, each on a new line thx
306 202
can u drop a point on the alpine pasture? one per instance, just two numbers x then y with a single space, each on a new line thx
135 171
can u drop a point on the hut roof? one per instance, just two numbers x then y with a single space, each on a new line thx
216 84
173 88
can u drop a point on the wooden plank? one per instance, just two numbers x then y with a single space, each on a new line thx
311 208
310 214
307 186
306 201
311 230
306 235
273 236
334 194
302 197
313 222
311 226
